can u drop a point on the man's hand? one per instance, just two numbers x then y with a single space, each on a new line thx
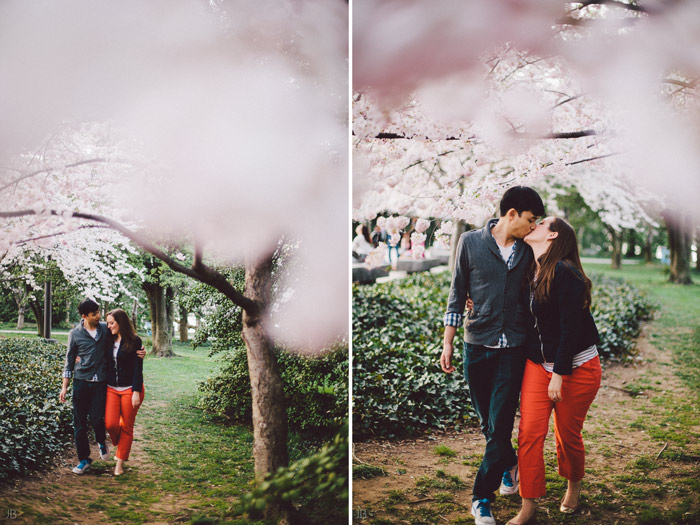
554 390
470 304
141 353
136 400
62 395
446 358
447 349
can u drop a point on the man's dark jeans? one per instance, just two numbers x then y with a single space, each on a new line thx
494 376
89 400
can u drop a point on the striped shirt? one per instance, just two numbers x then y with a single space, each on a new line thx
582 357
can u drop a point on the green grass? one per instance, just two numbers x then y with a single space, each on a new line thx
444 451
366 471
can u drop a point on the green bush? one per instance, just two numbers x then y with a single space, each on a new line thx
315 389
618 309
398 386
309 487
35 425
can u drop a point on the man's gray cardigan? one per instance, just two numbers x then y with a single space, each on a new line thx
499 294
92 351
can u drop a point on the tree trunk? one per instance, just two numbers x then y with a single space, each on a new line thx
680 237
184 325
460 228
68 312
162 338
697 251
269 413
616 239
20 296
648 253
170 310
135 314
20 318
631 243
39 316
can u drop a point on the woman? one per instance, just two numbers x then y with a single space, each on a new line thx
125 388
563 368
361 244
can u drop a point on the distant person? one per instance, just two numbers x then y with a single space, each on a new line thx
89 347
125 388
491 270
562 372
378 235
361 245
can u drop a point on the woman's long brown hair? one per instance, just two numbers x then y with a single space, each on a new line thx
126 329
563 248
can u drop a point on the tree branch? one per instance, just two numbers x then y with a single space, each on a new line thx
590 159
676 82
555 135
558 135
203 273
630 7
47 170
57 234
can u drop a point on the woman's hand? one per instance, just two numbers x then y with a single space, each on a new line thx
554 390
136 400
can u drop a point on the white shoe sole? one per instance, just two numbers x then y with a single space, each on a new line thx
77 471
506 491
483 520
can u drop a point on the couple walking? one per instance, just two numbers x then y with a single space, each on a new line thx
105 361
529 333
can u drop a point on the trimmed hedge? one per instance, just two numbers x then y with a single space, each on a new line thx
35 425
316 390
398 386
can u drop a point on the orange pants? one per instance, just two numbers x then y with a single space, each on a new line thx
119 419
578 392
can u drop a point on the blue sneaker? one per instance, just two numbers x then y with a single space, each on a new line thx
481 510
104 451
510 481
81 467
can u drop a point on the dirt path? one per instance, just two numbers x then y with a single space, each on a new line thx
59 496
53 495
641 408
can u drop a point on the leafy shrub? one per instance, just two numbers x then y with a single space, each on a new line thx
35 425
311 486
398 386
618 309
315 389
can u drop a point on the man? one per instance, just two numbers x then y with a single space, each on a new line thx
490 270
89 348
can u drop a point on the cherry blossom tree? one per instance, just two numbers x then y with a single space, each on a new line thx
523 92
218 126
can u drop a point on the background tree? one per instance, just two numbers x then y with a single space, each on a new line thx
542 95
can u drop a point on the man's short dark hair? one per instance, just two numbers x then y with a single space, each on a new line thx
522 198
88 306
